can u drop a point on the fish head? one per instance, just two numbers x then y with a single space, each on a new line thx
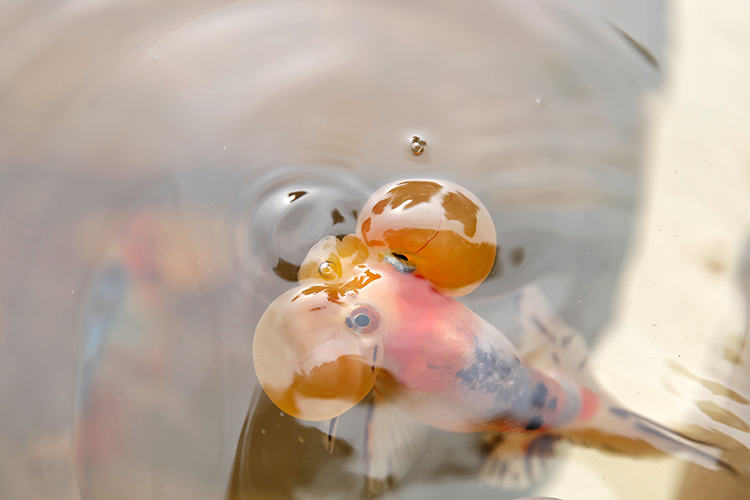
318 348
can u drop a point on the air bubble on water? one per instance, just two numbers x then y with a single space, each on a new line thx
417 145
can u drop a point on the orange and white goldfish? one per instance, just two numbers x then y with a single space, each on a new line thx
375 312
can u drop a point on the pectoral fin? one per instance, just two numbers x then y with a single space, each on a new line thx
393 442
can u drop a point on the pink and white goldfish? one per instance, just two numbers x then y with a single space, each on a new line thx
377 318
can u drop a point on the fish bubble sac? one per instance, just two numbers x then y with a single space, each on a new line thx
316 359
438 226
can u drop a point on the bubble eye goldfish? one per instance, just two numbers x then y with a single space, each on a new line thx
375 312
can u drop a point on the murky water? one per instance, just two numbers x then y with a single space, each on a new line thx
163 170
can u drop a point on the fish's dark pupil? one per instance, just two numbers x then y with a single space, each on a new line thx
362 320
400 256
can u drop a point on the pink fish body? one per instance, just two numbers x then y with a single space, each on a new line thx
450 369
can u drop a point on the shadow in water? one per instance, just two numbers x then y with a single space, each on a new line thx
277 456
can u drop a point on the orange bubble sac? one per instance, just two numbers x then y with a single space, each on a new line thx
315 351
438 227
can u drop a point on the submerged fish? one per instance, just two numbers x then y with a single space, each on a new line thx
375 313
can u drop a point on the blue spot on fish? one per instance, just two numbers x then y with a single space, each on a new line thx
489 372
539 398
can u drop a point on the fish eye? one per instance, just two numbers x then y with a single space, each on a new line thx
326 270
363 319
400 263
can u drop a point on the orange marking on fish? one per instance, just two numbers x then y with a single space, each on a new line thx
589 404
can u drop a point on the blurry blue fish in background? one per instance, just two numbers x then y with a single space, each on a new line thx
104 304
120 339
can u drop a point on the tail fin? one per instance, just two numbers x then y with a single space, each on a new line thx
620 430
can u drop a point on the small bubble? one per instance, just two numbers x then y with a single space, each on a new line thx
538 101
72 291
225 148
301 439
262 431
417 145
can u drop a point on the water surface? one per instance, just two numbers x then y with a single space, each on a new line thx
163 171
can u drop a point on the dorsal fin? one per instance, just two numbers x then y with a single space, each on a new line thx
548 343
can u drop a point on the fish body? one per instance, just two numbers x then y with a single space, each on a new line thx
451 369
